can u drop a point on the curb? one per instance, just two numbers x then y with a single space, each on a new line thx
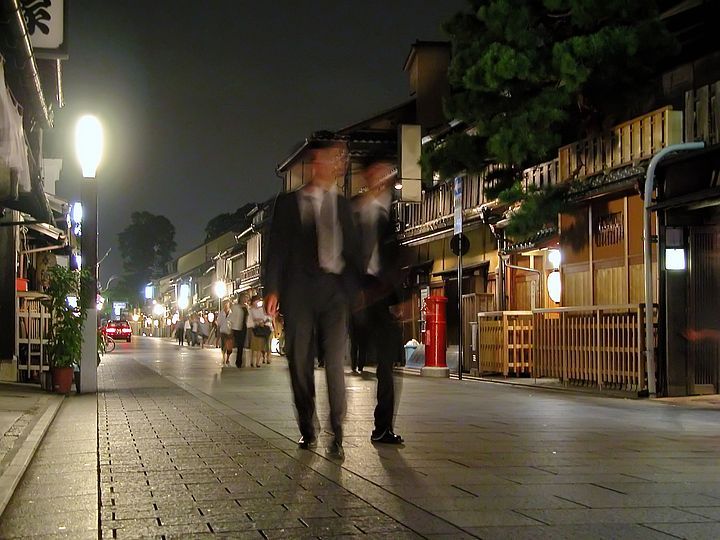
26 450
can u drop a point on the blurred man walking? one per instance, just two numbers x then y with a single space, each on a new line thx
312 260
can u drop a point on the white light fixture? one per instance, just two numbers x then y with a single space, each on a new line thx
135 317
555 258
184 297
220 289
554 286
89 144
78 260
149 292
158 310
175 318
398 184
211 317
77 212
72 301
675 259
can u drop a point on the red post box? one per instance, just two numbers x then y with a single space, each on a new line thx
435 337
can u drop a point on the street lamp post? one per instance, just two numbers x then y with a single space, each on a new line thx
88 145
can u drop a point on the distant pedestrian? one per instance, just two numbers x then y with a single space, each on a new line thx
180 332
260 324
204 330
225 332
238 323
312 259
194 330
186 330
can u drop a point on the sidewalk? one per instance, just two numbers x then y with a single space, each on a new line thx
26 412
186 449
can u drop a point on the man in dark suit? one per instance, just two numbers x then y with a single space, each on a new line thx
311 263
374 319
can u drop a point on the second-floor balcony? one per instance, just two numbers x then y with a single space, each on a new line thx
625 145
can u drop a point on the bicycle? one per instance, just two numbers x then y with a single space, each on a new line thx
108 344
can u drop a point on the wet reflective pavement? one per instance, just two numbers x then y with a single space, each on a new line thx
188 449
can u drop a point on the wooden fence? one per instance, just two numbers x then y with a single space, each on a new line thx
599 346
594 345
505 341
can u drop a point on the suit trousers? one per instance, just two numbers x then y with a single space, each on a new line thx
239 338
382 335
320 313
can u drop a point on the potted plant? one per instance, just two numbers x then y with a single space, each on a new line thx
66 324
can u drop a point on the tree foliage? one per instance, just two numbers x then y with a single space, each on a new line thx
146 245
528 74
223 223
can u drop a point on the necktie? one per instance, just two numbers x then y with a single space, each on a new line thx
326 232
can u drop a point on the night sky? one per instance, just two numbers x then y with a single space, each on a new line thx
201 100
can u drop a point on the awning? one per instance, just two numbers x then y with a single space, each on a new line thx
693 201
539 239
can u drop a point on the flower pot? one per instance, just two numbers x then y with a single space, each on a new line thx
62 379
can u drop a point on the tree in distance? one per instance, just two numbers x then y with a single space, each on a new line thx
146 246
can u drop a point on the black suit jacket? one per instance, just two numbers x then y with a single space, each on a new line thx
291 256
388 284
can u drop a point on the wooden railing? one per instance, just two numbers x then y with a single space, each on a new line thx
600 346
249 273
625 144
505 341
702 114
593 345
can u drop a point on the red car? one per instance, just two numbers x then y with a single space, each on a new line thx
119 330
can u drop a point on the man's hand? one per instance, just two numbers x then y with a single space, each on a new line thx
271 304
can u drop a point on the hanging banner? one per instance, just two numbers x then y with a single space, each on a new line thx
457 197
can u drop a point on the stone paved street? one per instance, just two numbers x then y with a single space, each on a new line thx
188 449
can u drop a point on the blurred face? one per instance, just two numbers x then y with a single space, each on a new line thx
328 165
377 175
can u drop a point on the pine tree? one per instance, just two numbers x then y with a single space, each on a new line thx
530 74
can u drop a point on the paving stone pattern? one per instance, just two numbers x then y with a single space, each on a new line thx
171 466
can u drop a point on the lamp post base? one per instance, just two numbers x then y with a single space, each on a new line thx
88 360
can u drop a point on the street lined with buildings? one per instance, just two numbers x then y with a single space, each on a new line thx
187 448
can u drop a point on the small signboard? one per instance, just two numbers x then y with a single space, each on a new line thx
45 20
457 197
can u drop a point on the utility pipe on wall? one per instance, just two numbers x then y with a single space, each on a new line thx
534 271
647 255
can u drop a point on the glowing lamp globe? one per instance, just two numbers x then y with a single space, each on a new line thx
89 144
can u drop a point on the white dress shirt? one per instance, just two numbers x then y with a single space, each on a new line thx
378 206
330 256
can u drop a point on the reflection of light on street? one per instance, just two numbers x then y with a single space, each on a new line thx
275 346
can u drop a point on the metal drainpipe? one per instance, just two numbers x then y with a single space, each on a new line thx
533 270
26 60
647 255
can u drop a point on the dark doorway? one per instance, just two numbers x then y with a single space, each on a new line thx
703 314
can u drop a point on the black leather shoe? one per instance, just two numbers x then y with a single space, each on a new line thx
335 450
386 437
306 443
